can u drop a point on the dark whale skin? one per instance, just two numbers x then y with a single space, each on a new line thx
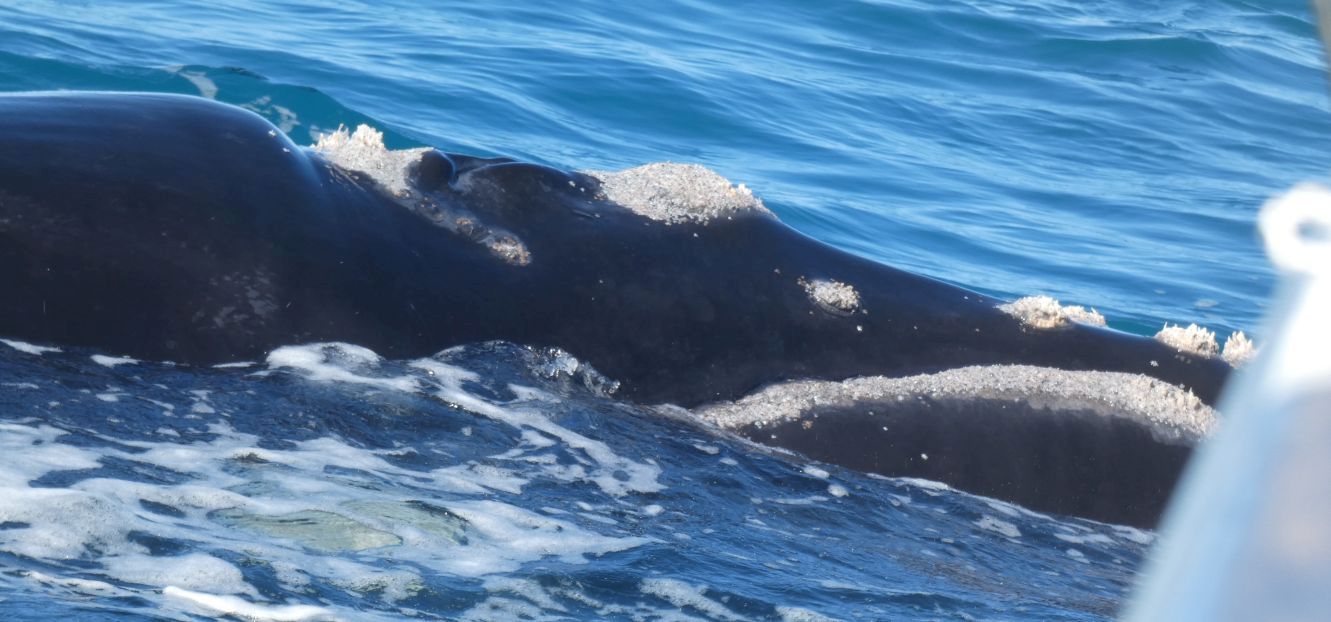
176 228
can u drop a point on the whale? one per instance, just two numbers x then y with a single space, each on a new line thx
177 228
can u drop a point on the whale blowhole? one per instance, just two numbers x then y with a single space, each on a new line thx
392 171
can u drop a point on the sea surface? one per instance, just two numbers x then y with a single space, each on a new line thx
1110 154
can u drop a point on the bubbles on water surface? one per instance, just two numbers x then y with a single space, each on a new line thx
486 482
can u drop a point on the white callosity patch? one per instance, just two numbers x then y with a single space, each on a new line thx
831 294
363 151
1199 341
1194 339
678 193
1238 349
1170 413
1046 312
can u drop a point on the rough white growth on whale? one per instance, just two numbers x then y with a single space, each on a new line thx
678 193
1193 339
1046 312
835 294
363 151
1170 413
1238 349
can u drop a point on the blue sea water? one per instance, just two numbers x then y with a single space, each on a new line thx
1111 154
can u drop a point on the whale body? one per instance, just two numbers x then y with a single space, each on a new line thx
181 229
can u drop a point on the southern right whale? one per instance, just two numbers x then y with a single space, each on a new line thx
177 228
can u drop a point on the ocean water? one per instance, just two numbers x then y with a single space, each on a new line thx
1111 154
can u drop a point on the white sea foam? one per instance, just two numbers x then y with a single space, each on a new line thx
502 537
28 348
1086 538
797 614
194 571
303 503
336 362
236 365
321 513
82 586
1000 527
112 361
240 608
681 594
63 524
615 475
814 471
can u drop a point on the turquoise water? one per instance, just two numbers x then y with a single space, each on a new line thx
1111 154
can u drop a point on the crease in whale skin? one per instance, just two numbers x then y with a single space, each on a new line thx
175 228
